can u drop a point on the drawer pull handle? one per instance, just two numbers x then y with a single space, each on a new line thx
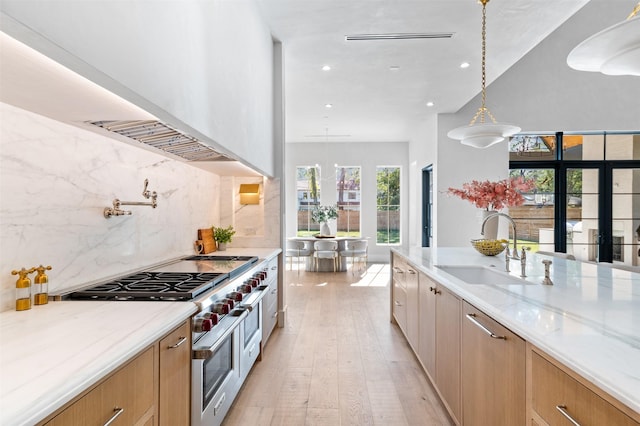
564 412
116 412
275 314
471 317
398 270
397 303
181 341
412 272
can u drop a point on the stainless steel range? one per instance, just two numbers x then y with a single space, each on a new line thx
226 330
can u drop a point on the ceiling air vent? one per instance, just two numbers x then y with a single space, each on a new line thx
163 137
396 36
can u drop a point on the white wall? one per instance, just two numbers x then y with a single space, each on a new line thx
365 155
203 66
539 93
55 181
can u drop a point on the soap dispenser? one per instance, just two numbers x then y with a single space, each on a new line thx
23 289
41 286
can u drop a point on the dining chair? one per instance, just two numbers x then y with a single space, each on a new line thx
326 250
297 249
357 251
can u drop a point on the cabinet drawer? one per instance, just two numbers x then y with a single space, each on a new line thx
555 392
131 389
400 306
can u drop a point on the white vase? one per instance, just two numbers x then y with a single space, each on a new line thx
222 246
491 226
325 231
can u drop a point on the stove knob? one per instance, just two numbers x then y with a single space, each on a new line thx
235 295
202 324
212 316
221 308
229 303
254 282
245 288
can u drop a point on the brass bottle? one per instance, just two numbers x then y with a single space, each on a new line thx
41 286
23 289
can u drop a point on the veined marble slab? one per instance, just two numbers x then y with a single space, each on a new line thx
589 319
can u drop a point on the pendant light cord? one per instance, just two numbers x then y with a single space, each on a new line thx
483 110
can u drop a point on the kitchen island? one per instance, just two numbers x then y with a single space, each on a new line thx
53 353
587 320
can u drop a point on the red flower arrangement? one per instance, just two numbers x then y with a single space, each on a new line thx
494 195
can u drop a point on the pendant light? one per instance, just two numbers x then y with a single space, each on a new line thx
612 51
482 134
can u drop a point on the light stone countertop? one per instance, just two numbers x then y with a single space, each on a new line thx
51 353
589 319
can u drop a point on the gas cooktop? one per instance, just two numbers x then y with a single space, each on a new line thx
166 286
183 279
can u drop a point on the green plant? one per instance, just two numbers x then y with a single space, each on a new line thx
223 235
322 214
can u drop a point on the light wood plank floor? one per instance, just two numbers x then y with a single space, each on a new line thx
338 360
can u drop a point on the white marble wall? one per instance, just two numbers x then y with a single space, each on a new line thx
55 181
256 225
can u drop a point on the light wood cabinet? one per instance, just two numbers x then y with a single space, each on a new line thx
413 321
427 324
399 293
175 377
493 371
448 309
558 394
128 397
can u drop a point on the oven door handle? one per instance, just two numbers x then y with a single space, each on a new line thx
253 300
207 352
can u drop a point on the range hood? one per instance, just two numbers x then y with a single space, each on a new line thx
162 136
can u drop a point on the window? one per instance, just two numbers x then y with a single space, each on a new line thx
348 196
388 205
593 190
308 196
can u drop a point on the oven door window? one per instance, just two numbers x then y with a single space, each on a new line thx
216 369
252 324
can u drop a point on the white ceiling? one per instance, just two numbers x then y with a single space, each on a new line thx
370 102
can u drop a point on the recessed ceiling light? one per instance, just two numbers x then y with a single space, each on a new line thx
465 65
326 68
328 105
430 104
394 68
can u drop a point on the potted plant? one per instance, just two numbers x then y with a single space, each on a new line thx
223 236
323 214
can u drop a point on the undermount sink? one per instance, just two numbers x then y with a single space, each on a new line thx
481 275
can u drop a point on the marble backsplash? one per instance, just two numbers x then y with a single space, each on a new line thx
56 180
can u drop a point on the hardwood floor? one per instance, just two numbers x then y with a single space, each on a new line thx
338 360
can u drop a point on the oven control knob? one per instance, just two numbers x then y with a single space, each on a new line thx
221 308
229 303
235 296
212 316
254 282
245 288
202 324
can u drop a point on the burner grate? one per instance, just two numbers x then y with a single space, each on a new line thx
153 286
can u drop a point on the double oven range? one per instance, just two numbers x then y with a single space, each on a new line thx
226 330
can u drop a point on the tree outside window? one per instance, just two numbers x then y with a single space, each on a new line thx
308 197
348 196
388 205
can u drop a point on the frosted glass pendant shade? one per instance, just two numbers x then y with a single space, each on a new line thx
483 135
612 51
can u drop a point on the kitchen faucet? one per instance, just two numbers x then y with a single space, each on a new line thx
513 226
